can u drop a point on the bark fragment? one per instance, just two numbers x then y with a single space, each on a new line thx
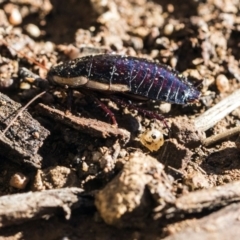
90 126
22 141
20 208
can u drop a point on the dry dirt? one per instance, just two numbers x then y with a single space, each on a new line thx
133 192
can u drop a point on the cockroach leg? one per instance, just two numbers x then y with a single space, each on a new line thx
145 112
106 110
69 99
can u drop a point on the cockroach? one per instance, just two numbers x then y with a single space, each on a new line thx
125 74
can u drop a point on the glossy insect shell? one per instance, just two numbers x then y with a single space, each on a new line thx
127 74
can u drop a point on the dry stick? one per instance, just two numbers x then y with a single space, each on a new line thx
21 110
205 199
213 115
87 125
222 224
24 207
221 136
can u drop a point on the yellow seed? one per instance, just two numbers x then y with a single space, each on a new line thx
152 139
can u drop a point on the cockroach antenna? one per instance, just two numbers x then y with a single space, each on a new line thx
33 99
21 111
198 85
23 55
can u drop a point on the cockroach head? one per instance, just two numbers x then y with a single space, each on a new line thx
191 95
66 74
51 73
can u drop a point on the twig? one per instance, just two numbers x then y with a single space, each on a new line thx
34 205
90 126
213 115
222 224
206 199
221 136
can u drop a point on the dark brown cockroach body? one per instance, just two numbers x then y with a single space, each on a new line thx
116 73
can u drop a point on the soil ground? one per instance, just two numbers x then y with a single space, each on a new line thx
200 39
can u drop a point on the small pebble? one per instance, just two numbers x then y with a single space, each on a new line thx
137 43
123 153
15 17
107 163
168 29
96 156
222 83
170 8
154 53
33 30
49 46
165 107
25 85
5 82
194 73
197 61
19 180
36 135
173 61
85 167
